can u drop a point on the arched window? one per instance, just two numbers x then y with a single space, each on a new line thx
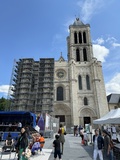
77 55
84 55
88 82
80 82
80 37
85 101
60 94
84 37
75 38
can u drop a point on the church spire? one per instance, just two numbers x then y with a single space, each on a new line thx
61 57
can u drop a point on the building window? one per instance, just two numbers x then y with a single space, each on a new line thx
77 55
75 38
80 82
80 37
85 101
88 82
60 94
84 37
84 55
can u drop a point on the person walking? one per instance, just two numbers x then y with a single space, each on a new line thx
86 138
56 145
98 144
82 136
108 150
61 137
22 144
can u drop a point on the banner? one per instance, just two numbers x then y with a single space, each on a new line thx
41 123
47 121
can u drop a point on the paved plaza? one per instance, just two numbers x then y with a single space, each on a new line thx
73 150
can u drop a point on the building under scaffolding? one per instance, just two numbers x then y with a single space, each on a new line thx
33 85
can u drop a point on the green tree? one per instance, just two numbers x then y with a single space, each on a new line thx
4 104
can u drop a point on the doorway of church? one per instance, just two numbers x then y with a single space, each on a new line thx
61 118
87 120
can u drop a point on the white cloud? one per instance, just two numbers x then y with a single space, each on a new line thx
116 44
66 25
4 88
113 86
100 52
111 40
99 41
89 8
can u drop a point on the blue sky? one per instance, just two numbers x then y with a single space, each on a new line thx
38 28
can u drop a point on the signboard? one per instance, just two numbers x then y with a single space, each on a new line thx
47 121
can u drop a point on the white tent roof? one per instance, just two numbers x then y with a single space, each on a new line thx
112 117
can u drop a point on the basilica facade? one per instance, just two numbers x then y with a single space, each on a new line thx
79 89
72 90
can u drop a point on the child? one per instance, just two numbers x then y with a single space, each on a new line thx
56 145
42 142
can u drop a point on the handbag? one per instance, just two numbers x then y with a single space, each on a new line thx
65 133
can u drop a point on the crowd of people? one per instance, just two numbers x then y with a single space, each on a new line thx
102 142
11 127
103 145
26 144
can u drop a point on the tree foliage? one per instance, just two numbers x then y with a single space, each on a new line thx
4 104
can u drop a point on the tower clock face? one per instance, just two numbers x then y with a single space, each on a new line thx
60 74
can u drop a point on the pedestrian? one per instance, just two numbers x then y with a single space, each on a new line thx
61 136
86 138
76 131
57 150
108 150
22 144
98 144
82 136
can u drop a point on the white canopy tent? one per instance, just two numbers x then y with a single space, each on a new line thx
112 117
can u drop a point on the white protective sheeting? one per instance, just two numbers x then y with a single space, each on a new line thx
112 117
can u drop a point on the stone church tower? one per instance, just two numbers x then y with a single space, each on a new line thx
80 95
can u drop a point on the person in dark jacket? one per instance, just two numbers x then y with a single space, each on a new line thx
98 145
22 144
56 145
108 148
